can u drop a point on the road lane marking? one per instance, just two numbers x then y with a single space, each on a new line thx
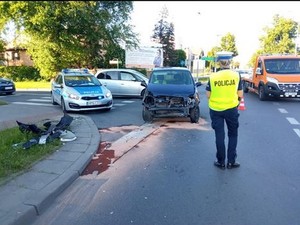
292 121
282 110
30 103
128 101
39 100
297 132
118 104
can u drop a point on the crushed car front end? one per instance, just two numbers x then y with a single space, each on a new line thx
170 106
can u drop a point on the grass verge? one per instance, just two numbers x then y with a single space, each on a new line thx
14 159
33 84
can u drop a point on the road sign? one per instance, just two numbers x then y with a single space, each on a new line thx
115 61
208 58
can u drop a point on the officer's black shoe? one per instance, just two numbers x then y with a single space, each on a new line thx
220 165
233 165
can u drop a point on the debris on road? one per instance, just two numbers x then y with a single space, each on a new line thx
49 133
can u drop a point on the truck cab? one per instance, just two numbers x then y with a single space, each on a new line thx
275 76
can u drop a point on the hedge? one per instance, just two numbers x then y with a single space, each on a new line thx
20 73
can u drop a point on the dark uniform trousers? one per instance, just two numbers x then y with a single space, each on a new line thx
230 116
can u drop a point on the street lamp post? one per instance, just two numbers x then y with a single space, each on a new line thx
296 40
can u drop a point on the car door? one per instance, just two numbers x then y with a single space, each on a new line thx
130 84
110 79
57 89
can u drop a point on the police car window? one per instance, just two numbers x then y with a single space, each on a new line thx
113 75
127 76
75 81
58 80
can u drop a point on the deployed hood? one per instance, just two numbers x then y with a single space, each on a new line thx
171 90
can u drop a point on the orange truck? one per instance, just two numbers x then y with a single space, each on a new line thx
276 76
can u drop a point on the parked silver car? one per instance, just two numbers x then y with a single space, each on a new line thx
123 82
245 73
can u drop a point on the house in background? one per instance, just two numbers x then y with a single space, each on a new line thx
14 56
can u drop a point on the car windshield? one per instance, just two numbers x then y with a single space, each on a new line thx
283 66
86 81
177 77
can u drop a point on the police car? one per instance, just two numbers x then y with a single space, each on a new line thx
79 90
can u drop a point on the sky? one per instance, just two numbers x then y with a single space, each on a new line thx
201 24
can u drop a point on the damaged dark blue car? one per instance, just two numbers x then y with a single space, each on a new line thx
171 92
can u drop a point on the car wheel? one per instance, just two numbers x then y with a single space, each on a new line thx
261 93
52 100
245 87
147 115
63 105
143 92
195 114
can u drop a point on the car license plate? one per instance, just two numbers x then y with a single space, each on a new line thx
290 93
8 88
93 103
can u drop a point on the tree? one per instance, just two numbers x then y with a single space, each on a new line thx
278 39
212 53
64 34
164 34
180 57
228 44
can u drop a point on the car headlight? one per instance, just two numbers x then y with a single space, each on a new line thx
73 96
108 94
272 80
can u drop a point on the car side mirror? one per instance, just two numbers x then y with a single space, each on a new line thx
58 86
198 84
258 71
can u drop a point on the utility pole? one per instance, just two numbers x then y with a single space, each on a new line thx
296 40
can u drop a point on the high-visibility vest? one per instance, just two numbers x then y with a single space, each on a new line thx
224 86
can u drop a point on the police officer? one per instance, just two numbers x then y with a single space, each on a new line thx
224 90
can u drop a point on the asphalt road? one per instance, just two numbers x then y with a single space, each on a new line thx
169 178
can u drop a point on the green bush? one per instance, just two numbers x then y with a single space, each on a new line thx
141 70
20 73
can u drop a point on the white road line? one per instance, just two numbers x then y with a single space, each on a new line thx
128 101
292 121
282 110
39 100
117 104
297 132
30 103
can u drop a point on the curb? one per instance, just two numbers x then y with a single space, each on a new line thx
27 201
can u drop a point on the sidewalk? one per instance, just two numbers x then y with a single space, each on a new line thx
28 195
